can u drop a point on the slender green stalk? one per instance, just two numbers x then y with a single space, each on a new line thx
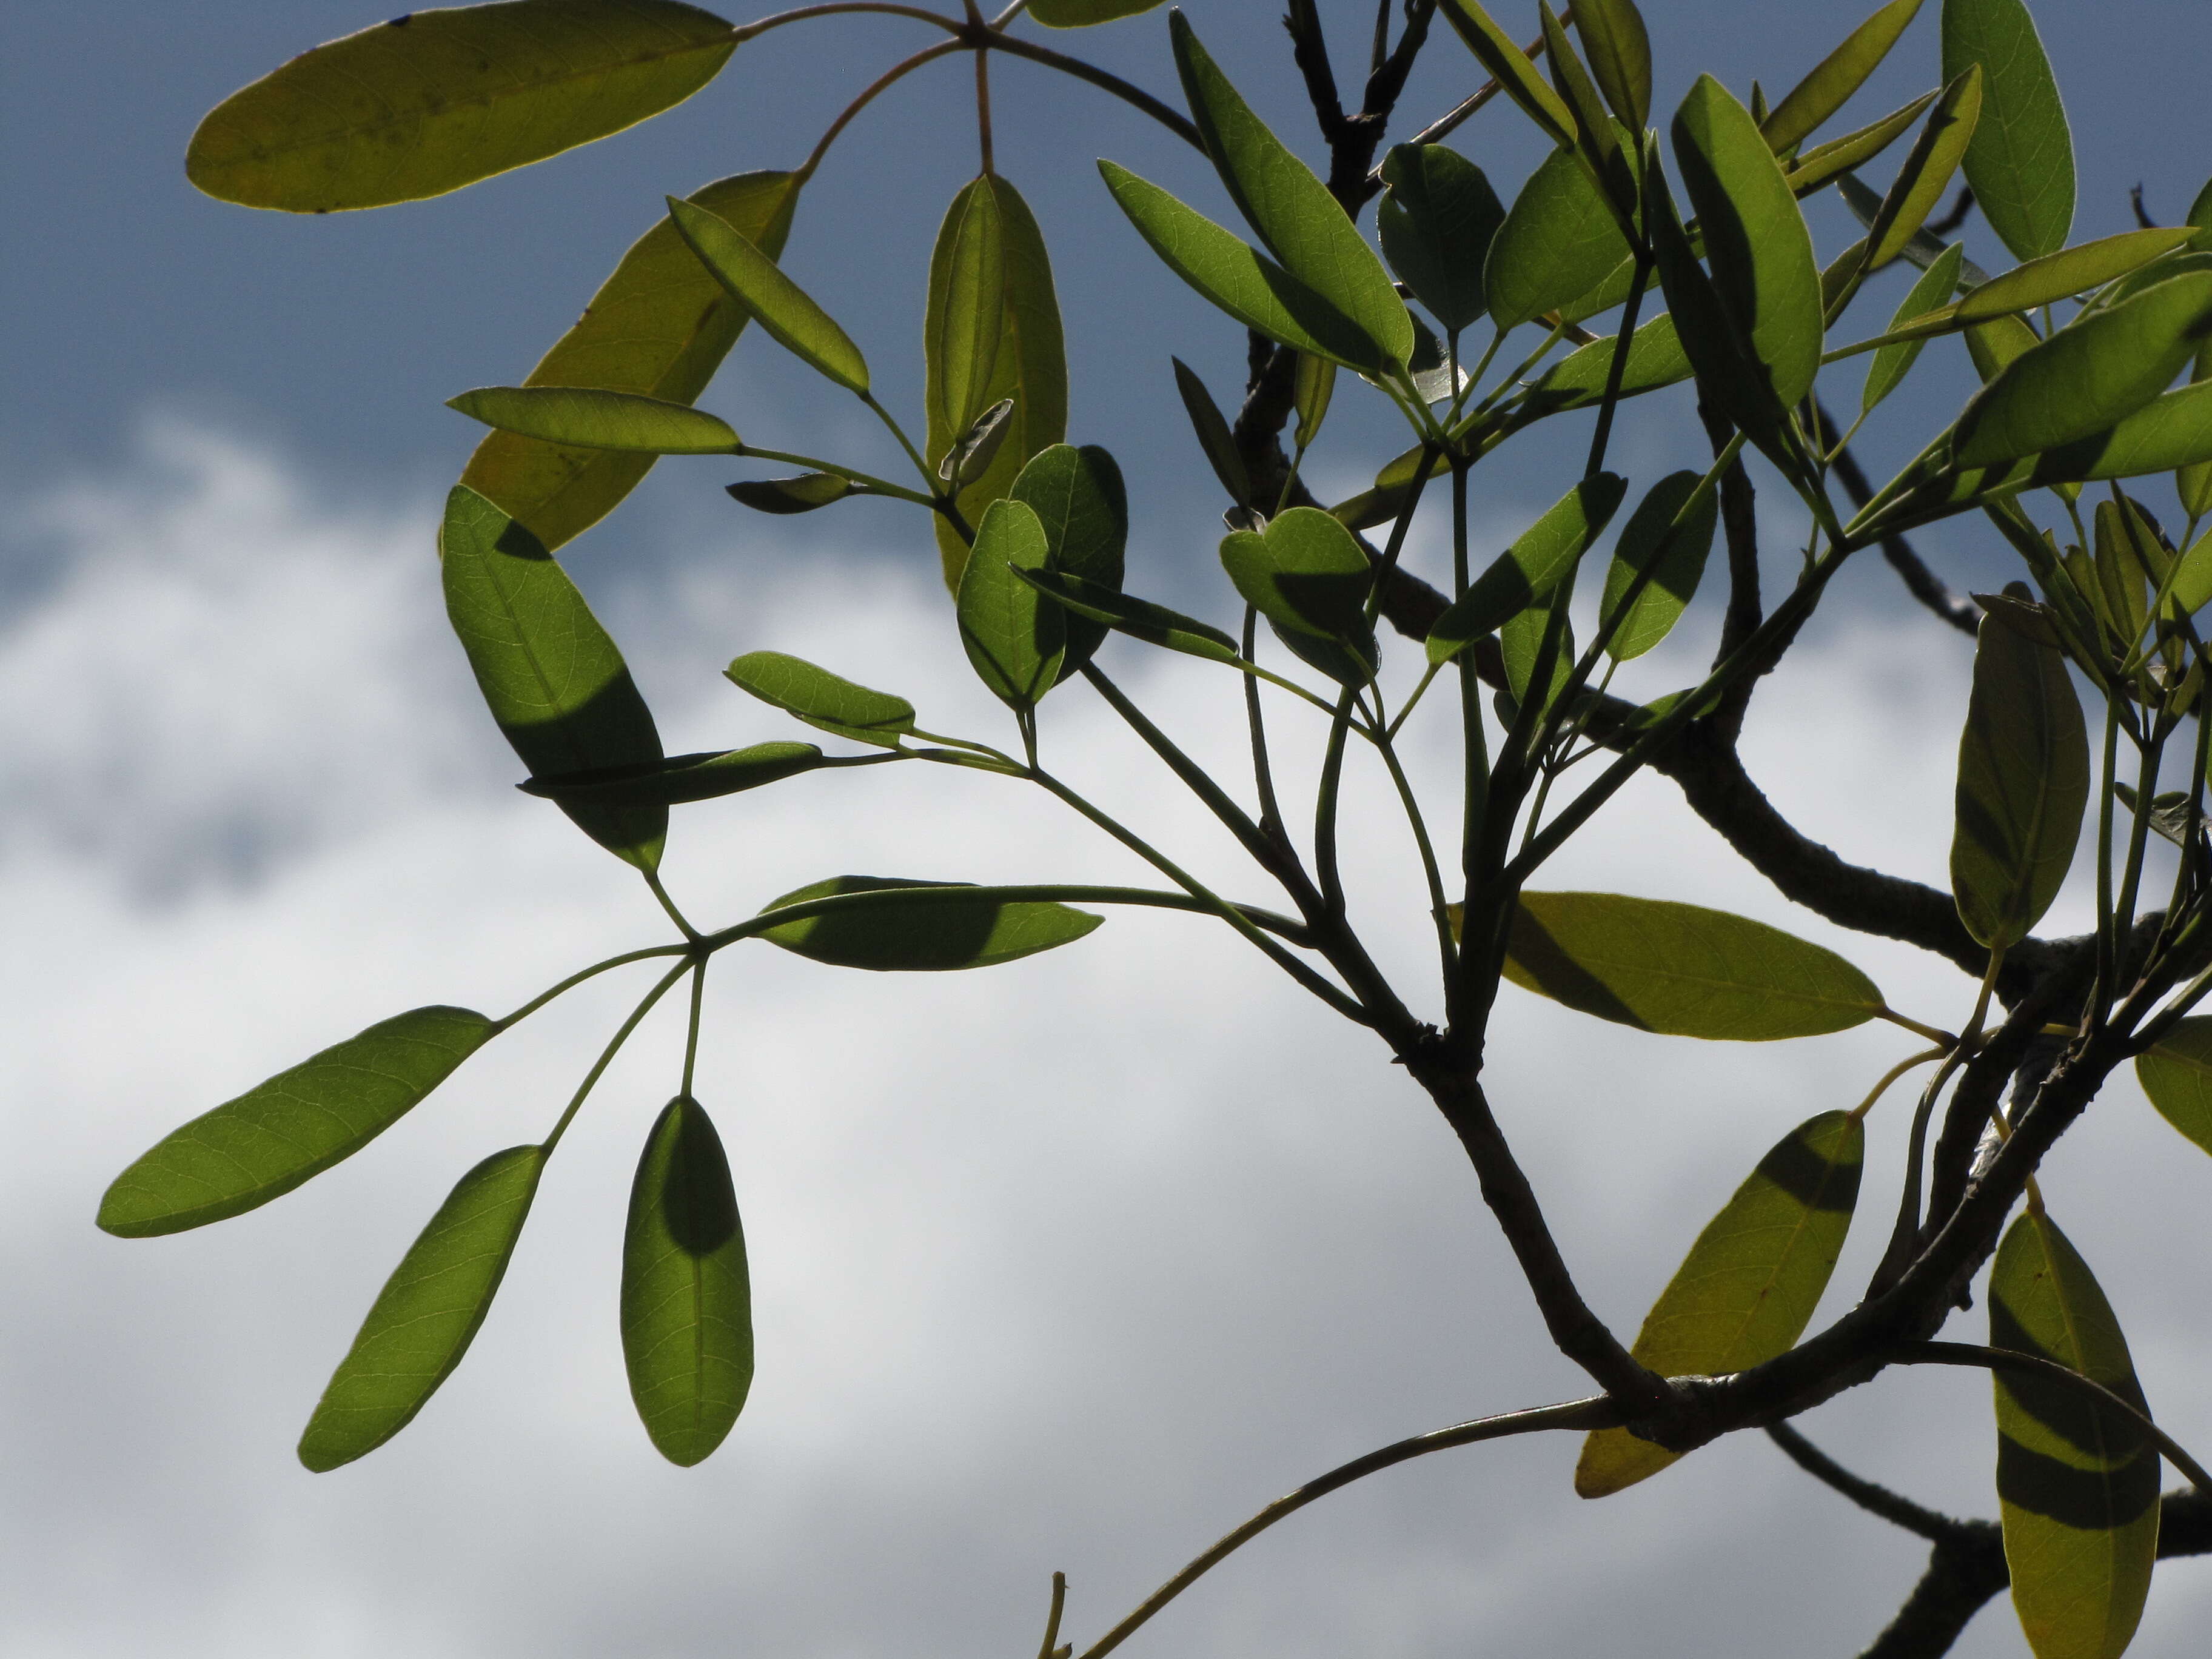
1263 772
652 881
1447 950
745 32
691 1031
881 486
578 978
1135 96
2107 917
888 78
905 443
1619 367
2138 836
614 1047
1325 801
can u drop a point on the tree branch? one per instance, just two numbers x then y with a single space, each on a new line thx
1875 1500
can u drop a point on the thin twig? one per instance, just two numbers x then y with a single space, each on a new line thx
1874 1499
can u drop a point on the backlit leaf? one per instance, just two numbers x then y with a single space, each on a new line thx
1674 554
1806 106
1494 49
1304 572
967 300
1140 619
437 99
1620 50
1656 359
1762 253
1831 162
1082 14
1029 364
2021 163
659 326
2175 1072
1013 638
821 698
772 299
1311 387
1727 378
1559 240
807 493
553 679
2077 1484
1921 181
680 778
1749 1285
687 1324
587 418
427 1314
1681 970
2073 270
956 926
1215 440
1540 558
2023 782
1079 499
1436 220
1520 646
292 1127
1247 284
1282 198
1932 292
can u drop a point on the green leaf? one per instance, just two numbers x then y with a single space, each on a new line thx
687 1318
2086 376
2175 1072
2192 580
1521 642
1307 576
1082 14
2077 1484
437 99
427 1312
1155 624
954 925
1013 640
2022 161
807 493
1299 220
2023 782
1995 343
1597 136
2074 270
1078 497
708 776
1656 359
1928 164
821 698
1029 363
1619 51
1806 106
1831 162
659 326
291 1128
1763 268
1215 439
2165 434
1674 554
1537 561
1559 240
554 681
967 300
1393 485
973 450
1727 378
772 299
1438 219
1247 284
1509 66
1749 1285
1682 970
591 419
1932 292
1311 387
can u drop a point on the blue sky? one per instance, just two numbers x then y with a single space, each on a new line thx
1022 1306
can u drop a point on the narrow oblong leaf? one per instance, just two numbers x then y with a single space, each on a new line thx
687 1323
2077 1484
1995 343
957 926
1084 14
1925 176
1749 1285
1029 365
2023 783
1078 498
2073 270
1540 558
1675 554
1727 377
553 679
1013 638
1892 364
1282 198
1305 574
1837 76
659 326
2165 434
1682 970
588 418
427 1313
2086 376
1620 50
2175 1071
2021 163
1311 388
772 299
821 698
1155 624
807 493
1215 440
437 99
1242 282
1520 646
1494 49
967 298
1656 359
1559 239
292 1127
681 778
1831 162
1762 253
1436 220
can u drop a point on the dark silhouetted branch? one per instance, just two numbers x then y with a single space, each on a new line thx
1873 1498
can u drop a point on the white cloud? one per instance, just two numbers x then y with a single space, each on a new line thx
1070 1265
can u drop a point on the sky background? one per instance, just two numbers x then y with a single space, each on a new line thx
1071 1265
